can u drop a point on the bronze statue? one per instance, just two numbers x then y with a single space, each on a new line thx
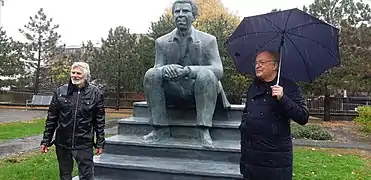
187 68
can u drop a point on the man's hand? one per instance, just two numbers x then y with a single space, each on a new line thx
99 151
43 149
277 91
172 71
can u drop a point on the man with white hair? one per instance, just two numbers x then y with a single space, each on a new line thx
75 113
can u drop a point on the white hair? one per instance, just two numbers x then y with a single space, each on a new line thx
84 67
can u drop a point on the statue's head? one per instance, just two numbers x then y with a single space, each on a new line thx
184 13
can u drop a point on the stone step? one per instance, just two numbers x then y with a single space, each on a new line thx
97 178
223 150
140 109
221 130
149 168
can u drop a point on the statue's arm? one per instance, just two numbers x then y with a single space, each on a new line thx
159 58
213 58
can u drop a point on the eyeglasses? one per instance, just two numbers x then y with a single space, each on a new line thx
260 63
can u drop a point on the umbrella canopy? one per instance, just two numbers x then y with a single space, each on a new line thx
308 46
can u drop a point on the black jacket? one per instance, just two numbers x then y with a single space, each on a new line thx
266 144
75 114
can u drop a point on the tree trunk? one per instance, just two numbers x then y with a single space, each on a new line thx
327 104
37 78
118 86
118 94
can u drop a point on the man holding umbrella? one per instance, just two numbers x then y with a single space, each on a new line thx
266 146
284 47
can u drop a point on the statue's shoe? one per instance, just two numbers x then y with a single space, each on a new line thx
157 134
205 138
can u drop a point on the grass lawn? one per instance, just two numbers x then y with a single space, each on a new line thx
31 166
21 129
321 164
339 164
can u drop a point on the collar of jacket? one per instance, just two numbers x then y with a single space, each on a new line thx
175 35
259 82
71 87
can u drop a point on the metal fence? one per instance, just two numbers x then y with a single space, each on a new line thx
14 97
315 104
20 97
340 108
338 104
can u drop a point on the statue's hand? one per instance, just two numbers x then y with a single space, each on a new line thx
184 72
171 71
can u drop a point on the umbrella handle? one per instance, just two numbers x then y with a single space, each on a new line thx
279 66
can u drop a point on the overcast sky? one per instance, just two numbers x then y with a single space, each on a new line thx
82 20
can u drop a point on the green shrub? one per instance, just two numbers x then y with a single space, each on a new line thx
363 121
310 131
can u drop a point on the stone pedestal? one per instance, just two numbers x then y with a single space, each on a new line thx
179 158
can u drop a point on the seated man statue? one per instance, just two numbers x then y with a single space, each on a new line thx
187 69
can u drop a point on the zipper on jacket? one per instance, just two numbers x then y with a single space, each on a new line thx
74 119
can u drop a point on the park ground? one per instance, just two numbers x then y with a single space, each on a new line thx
20 135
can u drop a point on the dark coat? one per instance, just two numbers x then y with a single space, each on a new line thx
75 115
266 143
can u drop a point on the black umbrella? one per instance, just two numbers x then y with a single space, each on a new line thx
308 46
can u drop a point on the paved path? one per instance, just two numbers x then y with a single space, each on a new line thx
8 115
12 114
16 146
332 144
30 143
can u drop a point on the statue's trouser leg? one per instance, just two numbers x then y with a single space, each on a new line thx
206 92
155 96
